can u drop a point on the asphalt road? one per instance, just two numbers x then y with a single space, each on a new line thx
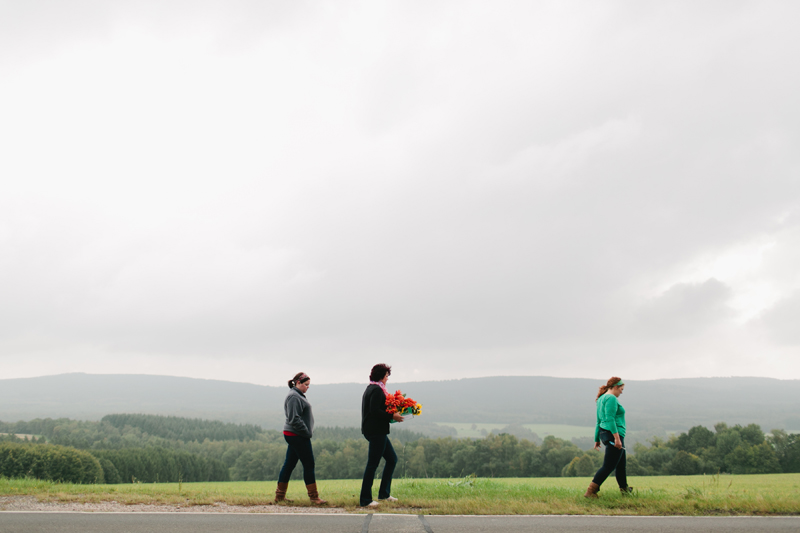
14 522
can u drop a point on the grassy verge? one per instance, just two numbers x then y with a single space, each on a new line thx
776 494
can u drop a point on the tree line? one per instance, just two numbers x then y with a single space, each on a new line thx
185 429
128 452
66 464
155 465
137 431
50 462
734 450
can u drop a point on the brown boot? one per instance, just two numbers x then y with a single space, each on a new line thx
626 491
280 493
313 495
592 491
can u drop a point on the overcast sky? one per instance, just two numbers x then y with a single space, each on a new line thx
241 190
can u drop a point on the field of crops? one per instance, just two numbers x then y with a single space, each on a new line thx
775 494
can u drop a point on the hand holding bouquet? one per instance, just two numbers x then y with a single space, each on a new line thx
398 403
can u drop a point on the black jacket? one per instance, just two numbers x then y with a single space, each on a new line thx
374 418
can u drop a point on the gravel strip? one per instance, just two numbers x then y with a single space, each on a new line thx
30 503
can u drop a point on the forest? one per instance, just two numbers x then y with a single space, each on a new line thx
128 448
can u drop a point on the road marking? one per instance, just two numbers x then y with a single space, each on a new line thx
365 527
425 524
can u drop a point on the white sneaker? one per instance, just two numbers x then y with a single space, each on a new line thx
390 499
372 504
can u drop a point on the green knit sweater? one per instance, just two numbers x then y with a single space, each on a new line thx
610 416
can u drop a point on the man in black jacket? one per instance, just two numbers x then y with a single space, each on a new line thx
375 427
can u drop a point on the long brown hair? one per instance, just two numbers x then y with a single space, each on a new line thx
604 389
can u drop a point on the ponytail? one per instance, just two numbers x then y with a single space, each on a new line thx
300 377
604 388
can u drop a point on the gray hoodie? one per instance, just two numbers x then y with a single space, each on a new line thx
299 419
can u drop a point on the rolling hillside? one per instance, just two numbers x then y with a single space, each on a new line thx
658 404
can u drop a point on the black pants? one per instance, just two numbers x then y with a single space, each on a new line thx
299 449
613 460
379 446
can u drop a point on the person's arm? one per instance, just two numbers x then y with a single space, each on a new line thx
377 406
597 427
610 417
294 419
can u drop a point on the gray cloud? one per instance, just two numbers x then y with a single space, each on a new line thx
685 309
780 321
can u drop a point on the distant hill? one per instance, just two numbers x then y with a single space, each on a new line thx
670 404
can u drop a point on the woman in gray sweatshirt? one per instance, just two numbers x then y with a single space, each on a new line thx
297 432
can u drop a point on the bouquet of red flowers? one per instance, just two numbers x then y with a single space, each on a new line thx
398 403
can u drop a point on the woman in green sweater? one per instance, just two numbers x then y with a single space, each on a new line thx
610 430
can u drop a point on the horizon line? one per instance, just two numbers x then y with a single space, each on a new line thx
399 382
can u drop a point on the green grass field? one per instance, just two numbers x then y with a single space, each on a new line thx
562 431
775 494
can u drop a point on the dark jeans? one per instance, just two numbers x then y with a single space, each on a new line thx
379 446
613 460
299 449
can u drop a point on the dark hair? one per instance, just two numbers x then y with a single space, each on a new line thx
300 377
604 389
379 372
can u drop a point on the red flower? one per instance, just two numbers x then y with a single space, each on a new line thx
398 403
